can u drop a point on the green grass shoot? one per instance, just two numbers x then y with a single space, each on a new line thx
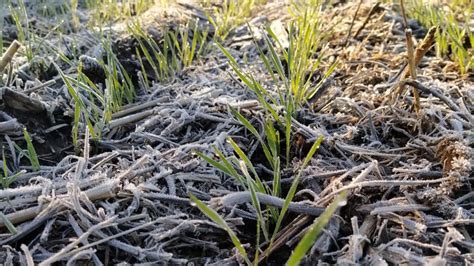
32 156
294 186
314 230
216 218
5 178
11 228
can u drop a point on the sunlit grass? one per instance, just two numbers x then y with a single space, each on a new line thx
231 14
453 21
303 58
20 17
108 11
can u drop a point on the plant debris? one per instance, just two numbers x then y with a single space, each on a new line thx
114 180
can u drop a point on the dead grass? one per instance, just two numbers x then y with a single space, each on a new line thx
108 170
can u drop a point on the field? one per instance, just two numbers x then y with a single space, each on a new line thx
237 132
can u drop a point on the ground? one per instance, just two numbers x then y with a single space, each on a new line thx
160 133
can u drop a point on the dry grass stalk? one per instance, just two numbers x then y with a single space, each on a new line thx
420 52
411 57
8 56
412 67
372 11
352 22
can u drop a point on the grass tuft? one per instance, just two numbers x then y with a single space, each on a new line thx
231 14
178 49
292 190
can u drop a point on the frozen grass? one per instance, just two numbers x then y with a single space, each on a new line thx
238 168
292 89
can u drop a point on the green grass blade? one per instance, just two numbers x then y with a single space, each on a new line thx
288 115
214 163
272 137
310 236
228 165
261 92
276 61
12 178
194 42
265 60
331 69
79 106
276 178
225 166
294 186
254 131
5 167
255 202
243 157
257 250
311 152
31 151
235 66
203 42
11 228
214 216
